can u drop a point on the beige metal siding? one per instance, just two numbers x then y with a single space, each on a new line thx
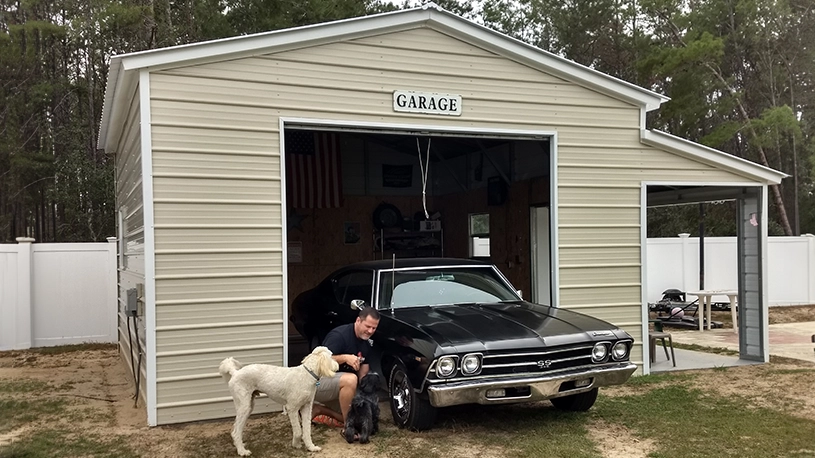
219 265
130 202
217 186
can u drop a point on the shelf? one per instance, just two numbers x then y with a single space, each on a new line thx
415 243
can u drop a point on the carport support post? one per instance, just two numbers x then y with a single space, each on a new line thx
701 247
22 319
810 266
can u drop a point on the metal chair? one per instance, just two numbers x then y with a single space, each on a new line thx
658 333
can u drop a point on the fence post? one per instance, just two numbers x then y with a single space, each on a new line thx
113 282
683 238
810 260
22 338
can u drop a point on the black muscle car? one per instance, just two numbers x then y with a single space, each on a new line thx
455 331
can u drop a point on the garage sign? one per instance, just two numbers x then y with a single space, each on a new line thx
427 102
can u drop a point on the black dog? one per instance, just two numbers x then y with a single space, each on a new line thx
363 418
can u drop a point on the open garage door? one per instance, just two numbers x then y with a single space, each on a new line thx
409 192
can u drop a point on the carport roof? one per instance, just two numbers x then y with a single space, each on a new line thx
711 156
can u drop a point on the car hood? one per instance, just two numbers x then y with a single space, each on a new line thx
502 326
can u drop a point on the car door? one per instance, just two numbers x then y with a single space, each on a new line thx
355 284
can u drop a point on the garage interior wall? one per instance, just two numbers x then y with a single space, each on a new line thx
320 230
130 205
218 191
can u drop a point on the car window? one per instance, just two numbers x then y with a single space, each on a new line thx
410 288
437 293
353 285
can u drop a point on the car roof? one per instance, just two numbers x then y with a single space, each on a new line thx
415 262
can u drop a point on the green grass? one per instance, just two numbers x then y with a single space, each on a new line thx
17 412
73 348
702 348
531 430
50 443
791 371
654 379
264 435
682 422
677 422
8 387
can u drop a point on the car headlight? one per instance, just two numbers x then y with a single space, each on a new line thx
599 352
446 366
619 351
471 364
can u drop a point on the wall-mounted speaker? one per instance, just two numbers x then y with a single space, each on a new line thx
496 191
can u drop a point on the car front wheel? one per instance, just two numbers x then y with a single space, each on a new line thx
408 409
577 402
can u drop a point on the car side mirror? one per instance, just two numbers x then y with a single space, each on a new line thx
357 304
520 293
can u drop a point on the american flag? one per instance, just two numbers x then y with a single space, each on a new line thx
314 176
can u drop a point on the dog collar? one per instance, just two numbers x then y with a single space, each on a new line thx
313 375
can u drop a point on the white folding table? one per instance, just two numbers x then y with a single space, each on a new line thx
705 302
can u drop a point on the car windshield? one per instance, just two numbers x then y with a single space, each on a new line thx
442 286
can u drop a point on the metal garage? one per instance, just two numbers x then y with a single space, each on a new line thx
219 233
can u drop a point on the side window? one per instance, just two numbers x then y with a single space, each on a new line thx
480 235
353 285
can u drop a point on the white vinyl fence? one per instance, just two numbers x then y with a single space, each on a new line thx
674 263
64 293
57 294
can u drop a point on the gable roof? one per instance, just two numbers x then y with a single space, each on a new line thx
124 69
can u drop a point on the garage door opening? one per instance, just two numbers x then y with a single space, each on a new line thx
356 195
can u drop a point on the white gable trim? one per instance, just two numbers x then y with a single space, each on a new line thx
123 67
711 156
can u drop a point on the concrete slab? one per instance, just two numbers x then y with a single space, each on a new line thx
789 340
688 359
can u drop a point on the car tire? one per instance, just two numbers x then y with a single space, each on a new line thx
408 409
577 402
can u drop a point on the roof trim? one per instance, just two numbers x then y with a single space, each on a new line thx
711 156
123 67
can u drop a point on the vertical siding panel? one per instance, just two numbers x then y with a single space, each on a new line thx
130 201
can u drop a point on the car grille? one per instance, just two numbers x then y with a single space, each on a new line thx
536 362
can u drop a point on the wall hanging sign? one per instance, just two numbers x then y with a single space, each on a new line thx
295 252
351 232
427 102
397 176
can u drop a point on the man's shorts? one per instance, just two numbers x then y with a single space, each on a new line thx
329 389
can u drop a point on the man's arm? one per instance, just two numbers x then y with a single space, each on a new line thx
363 370
351 360
333 341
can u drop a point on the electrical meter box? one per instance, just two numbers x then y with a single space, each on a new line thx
132 304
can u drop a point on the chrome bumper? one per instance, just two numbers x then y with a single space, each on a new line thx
540 387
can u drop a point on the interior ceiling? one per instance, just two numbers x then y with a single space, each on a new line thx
662 195
443 146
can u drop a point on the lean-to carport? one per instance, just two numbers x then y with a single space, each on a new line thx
751 223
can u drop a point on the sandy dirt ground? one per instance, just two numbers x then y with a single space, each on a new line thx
100 392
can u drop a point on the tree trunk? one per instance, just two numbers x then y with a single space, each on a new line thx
777 197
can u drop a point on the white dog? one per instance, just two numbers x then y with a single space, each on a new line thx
292 387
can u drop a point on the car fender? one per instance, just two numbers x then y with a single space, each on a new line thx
389 353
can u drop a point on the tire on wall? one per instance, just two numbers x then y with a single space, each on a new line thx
580 402
408 409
